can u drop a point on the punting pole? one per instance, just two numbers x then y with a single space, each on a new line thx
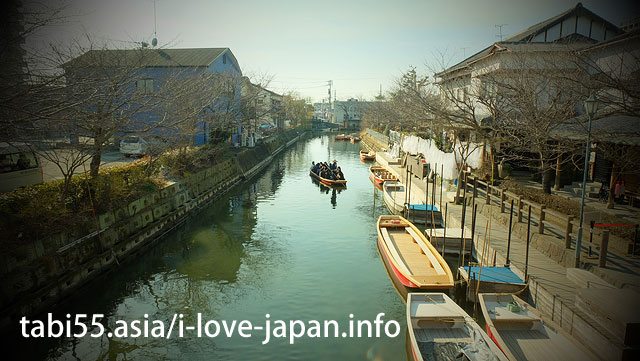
444 231
464 212
426 200
473 231
441 181
510 230
526 257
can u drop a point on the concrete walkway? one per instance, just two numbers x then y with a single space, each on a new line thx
551 291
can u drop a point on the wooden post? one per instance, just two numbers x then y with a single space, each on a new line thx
441 182
464 212
567 234
426 199
541 224
444 232
488 193
519 209
475 187
473 231
602 261
526 257
502 200
509 236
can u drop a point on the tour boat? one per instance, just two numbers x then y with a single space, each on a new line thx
523 334
379 175
492 280
426 214
412 262
329 182
394 197
439 329
367 155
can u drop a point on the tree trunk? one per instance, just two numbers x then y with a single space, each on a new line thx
459 186
612 186
95 159
546 177
557 184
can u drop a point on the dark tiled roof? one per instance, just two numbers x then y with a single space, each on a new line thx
196 57
524 37
618 129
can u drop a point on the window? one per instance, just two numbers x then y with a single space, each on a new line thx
145 85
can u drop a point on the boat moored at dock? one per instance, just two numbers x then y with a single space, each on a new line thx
492 280
412 262
523 334
378 175
439 329
367 155
395 198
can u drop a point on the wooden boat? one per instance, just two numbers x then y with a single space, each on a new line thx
354 139
329 182
440 330
367 155
426 214
451 243
379 175
341 137
523 334
394 197
411 261
492 280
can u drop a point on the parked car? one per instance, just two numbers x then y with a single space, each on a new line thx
133 145
19 166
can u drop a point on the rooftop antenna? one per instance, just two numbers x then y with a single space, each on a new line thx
154 42
499 26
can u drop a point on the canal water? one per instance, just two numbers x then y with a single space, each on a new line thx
281 244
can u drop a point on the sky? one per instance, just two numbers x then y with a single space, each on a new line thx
361 45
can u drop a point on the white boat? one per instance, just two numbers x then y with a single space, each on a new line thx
440 330
394 197
523 334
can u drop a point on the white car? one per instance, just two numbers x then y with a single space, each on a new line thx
133 145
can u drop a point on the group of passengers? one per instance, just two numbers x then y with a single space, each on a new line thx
327 170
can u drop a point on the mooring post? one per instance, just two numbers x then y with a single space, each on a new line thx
444 231
464 209
591 224
602 262
502 201
510 230
473 231
441 182
526 257
426 200
567 234
488 192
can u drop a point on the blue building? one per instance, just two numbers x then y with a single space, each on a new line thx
145 72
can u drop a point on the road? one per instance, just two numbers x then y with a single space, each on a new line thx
109 159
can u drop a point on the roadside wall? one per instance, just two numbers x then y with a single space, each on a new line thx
42 272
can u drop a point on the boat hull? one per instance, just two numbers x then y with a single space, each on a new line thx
329 182
395 275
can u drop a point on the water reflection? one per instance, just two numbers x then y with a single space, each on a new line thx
267 247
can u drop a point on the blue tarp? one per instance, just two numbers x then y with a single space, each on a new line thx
495 274
422 207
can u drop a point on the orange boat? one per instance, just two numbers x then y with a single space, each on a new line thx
329 182
367 155
379 175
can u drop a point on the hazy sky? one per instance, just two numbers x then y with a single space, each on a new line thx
360 45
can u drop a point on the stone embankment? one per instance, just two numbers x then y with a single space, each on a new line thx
42 272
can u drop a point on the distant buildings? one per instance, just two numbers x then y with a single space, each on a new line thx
152 68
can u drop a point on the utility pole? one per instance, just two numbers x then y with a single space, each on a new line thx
499 27
330 83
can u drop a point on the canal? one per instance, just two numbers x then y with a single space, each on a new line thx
281 245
